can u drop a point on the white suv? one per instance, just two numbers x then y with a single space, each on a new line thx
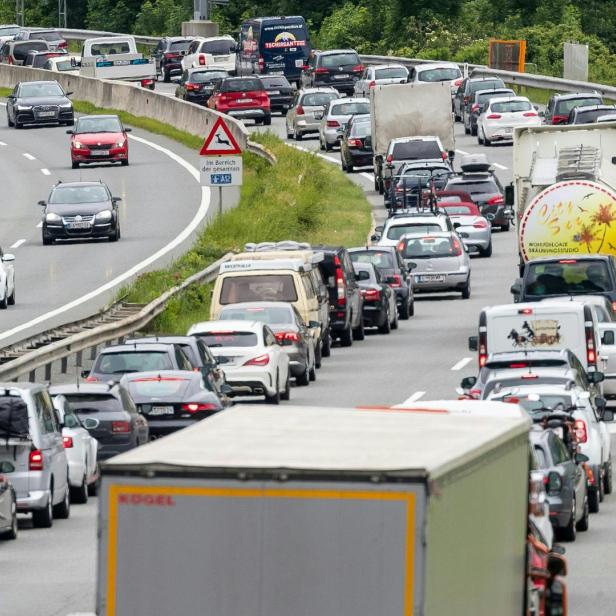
218 51
398 225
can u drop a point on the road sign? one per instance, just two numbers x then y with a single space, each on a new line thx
221 170
220 141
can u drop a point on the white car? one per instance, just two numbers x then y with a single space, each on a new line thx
7 280
499 116
67 64
400 224
380 75
218 51
437 71
253 361
335 118
81 452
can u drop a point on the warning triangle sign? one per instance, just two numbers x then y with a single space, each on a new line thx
220 141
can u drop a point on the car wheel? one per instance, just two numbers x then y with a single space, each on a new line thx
607 479
326 346
75 165
583 524
376 185
289 134
312 374
404 311
350 169
466 290
385 328
4 302
474 130
381 187
115 236
412 308
486 141
166 76
486 252
43 518
479 137
11 299
286 394
267 120
63 510
275 397
11 533
125 163
18 125
394 323
47 241
593 500
359 333
298 136
303 379
93 487
467 130
322 147
328 147
79 494
505 227
8 120
346 337
568 533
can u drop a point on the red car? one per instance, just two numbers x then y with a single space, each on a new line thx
242 97
99 138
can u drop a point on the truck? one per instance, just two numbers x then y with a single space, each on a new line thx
116 57
271 511
564 190
408 110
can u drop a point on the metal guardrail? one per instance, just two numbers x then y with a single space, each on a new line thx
89 335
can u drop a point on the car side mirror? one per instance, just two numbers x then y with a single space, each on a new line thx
85 374
8 258
607 338
67 93
128 130
473 343
379 229
596 377
375 238
314 324
557 565
411 265
116 199
580 458
468 382
42 203
451 154
600 403
516 288
542 114
456 225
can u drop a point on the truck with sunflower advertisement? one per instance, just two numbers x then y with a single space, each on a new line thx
564 190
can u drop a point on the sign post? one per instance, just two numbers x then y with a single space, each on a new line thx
221 160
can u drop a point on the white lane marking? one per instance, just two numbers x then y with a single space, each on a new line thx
40 224
18 243
462 363
416 396
28 156
2 143
462 152
45 171
182 236
499 166
368 176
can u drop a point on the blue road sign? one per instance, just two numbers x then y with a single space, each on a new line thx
218 179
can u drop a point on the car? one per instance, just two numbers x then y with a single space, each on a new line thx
7 279
213 51
608 117
80 210
37 59
601 307
243 98
474 229
31 439
499 116
39 102
298 339
8 32
565 481
197 84
480 98
114 361
335 118
81 451
463 97
168 55
379 308
380 75
108 413
15 52
588 114
560 105
439 261
394 272
99 138
398 225
171 399
306 111
254 362
407 189
435 72
280 92
54 38
337 68
63 63
8 503
356 144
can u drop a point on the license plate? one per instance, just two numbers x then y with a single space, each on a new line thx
99 153
221 57
121 63
341 76
245 100
299 63
318 115
274 92
432 278
46 114
78 225
161 410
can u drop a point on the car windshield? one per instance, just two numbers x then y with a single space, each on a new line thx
429 248
179 45
241 85
71 195
37 90
379 258
158 386
340 59
360 129
563 107
48 36
218 48
510 106
439 74
268 287
206 76
349 109
132 361
407 150
230 338
392 72
275 82
397 231
461 210
485 85
272 315
104 403
98 125
318 99
590 116
478 187
65 65
567 276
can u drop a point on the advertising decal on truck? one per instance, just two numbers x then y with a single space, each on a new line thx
538 333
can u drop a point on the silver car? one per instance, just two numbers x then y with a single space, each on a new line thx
335 119
474 229
437 71
307 110
380 75
439 262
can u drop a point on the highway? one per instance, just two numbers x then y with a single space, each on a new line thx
52 572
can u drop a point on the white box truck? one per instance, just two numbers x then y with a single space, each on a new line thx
303 511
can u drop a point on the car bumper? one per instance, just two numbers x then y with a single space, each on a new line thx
27 117
108 450
198 98
450 282
62 233
280 102
36 499
246 382
360 158
344 87
158 429
97 156
254 114
477 239
374 316
332 136
495 214
303 126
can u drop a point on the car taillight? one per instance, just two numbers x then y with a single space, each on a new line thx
62 45
483 346
444 155
396 281
299 110
529 376
580 430
560 119
614 306
496 200
525 311
10 60
389 158
195 407
480 224
530 114
475 107
333 123
340 284
146 83
475 394
400 246
261 64
202 59
260 360
494 116
192 86
553 483
371 295
591 354
517 366
287 337
67 442
36 461
91 379
356 143
456 246
321 71
169 55
358 68
120 426
372 84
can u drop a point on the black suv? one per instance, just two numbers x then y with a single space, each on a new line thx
338 68
168 55
588 114
345 300
560 105
464 96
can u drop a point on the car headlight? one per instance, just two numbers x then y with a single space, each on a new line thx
120 144
51 217
68 105
104 215
78 145
24 107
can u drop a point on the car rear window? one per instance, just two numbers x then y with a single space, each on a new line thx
439 74
104 403
220 48
272 315
229 338
510 106
484 96
164 387
349 108
241 85
478 187
567 276
379 258
360 129
179 45
65 65
415 150
429 248
206 76
318 99
269 287
105 49
47 36
461 210
393 72
487 84
275 82
132 361
590 116
397 231
563 107
340 59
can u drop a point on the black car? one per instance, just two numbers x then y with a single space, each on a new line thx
338 68
168 55
408 187
464 96
345 300
80 210
379 300
392 268
356 143
197 84
39 102
560 105
588 114
171 399
280 92
108 413
37 59
480 98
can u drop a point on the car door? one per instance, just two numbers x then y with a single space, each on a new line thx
354 296
157 54
573 474
10 103
307 337
292 112
280 360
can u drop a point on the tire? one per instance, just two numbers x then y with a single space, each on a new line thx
11 300
486 141
4 302
376 185
381 187
75 165
166 76
93 487
43 518
568 533
474 130
303 379
350 169
466 291
312 374
267 121
318 356
47 241
275 398
328 148
467 130
479 139
9 121
486 252
593 501
289 135
298 136
583 523
386 327
359 333
286 394
124 163
18 126
346 337
607 479
115 236
504 228
79 495
62 510
13 531
326 346
412 308
322 148
394 324
404 312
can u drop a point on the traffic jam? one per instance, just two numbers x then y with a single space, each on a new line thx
146 424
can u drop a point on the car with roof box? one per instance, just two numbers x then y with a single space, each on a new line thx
560 105
307 108
463 97
336 117
412 221
479 99
379 306
168 55
337 68
356 143
380 75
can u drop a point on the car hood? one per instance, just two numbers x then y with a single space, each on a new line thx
42 100
94 138
84 209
